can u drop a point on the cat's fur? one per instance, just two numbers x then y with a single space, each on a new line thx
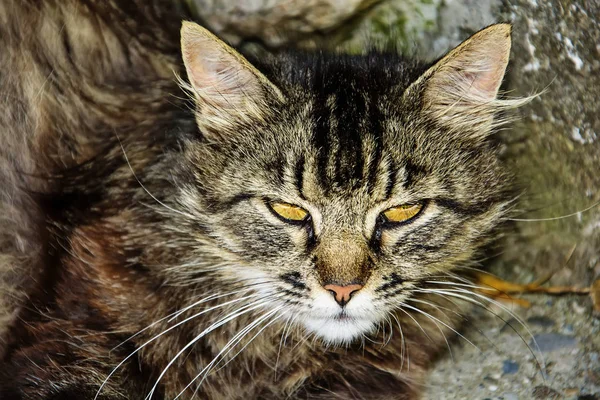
124 202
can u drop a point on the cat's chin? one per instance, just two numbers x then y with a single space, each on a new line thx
339 330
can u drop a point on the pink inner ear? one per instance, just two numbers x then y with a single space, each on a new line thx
470 78
201 78
220 79
473 71
488 81
210 72
461 89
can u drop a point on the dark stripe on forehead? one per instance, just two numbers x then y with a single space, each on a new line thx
299 175
278 167
321 128
349 112
346 121
391 178
376 132
413 172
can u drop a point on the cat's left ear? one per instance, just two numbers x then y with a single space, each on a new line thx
460 90
227 88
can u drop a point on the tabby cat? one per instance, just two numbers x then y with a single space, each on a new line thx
287 229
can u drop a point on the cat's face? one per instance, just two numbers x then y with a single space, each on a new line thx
344 188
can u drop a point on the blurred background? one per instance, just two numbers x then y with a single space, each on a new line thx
553 149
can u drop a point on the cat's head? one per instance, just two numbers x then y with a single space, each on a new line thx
338 184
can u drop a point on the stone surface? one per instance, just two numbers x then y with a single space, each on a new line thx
510 367
275 22
555 148
427 28
472 371
547 342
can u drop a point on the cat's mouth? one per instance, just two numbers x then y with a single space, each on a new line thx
342 316
340 328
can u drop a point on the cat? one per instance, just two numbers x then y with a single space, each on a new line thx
290 228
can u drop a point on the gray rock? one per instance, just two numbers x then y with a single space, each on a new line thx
555 148
510 367
275 22
459 17
548 342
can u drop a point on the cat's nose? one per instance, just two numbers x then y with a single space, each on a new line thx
342 294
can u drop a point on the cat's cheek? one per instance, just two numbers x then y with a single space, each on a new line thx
259 281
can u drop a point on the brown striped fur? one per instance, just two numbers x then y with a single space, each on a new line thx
123 201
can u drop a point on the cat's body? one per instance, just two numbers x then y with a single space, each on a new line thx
120 212
70 70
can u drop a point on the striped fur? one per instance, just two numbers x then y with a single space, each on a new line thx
128 202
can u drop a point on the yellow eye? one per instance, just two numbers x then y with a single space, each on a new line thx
289 212
402 213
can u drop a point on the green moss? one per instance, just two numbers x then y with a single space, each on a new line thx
385 27
548 169
394 25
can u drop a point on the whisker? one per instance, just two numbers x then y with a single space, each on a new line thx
418 324
275 319
403 345
389 321
289 323
512 314
596 204
478 270
438 306
431 317
469 285
164 332
177 313
443 323
450 274
246 288
229 347
186 215
454 293
461 316
231 316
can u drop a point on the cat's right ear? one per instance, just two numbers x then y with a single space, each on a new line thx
228 90
460 91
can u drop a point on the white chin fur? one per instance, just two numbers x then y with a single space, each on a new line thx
335 326
335 332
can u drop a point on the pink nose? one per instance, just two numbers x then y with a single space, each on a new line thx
342 294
